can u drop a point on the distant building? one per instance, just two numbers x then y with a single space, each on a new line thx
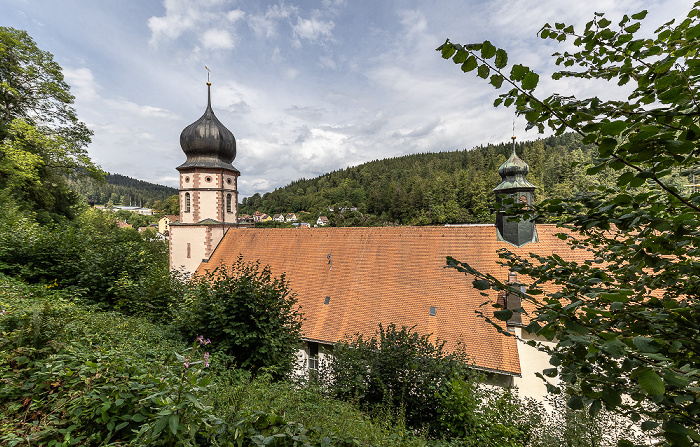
165 221
322 221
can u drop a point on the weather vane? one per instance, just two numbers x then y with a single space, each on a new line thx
208 71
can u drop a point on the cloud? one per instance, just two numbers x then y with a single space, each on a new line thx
217 39
265 25
82 82
190 16
312 29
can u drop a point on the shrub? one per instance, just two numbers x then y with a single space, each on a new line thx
398 371
249 315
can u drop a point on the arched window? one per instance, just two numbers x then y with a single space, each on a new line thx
228 203
187 202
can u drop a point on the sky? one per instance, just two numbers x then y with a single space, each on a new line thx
306 87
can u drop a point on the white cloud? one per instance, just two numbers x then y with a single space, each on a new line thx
312 29
82 82
413 21
235 15
217 39
191 16
266 24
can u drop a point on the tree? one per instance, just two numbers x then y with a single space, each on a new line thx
247 313
625 322
41 138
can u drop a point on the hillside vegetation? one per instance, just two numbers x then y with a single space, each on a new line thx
122 190
432 188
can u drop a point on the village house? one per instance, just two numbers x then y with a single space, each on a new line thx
350 280
322 221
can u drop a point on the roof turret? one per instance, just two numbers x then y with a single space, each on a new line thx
513 173
208 143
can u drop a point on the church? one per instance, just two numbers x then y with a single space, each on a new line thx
348 281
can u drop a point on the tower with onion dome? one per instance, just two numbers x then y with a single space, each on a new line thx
208 191
514 188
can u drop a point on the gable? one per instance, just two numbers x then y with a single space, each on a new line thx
388 275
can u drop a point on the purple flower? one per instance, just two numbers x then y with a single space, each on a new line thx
207 342
187 364
200 339
206 356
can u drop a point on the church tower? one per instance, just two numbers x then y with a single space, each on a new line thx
515 186
208 191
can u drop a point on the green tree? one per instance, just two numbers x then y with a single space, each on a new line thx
247 313
625 322
41 138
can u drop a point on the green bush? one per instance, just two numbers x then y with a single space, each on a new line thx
248 314
398 371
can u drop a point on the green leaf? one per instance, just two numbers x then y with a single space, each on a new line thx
649 425
640 15
518 72
160 425
613 127
481 284
496 81
487 50
483 71
469 64
651 382
503 315
575 403
645 344
530 80
447 51
460 57
501 58
611 397
174 422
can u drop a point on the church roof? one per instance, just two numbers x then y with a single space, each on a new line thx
388 275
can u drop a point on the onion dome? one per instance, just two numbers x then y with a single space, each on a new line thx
208 143
513 173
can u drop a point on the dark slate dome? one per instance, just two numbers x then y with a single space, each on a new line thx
208 143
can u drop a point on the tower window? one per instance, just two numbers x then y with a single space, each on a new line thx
208 179
228 181
189 250
228 203
187 202
187 179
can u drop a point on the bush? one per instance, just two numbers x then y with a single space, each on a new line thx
398 371
249 315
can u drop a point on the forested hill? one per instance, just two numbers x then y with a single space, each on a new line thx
431 188
122 190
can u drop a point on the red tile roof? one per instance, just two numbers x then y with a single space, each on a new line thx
388 275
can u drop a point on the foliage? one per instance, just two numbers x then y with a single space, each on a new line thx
252 397
623 322
41 138
123 190
571 428
403 372
249 315
70 375
431 188
116 268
